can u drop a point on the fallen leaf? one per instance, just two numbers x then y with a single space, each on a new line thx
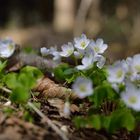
49 89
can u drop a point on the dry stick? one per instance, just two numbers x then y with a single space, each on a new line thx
50 123
6 89
81 16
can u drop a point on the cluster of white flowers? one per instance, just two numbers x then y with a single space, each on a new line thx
7 48
124 70
53 52
127 72
88 51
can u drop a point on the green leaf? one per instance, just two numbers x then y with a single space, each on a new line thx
90 121
27 116
102 93
26 80
122 118
94 121
97 75
105 120
70 71
33 71
2 65
59 72
71 79
19 95
11 80
80 122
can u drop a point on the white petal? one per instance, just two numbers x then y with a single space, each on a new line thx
77 54
100 61
67 109
83 36
81 67
99 42
103 48
44 51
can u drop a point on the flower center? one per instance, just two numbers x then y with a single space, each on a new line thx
70 52
132 99
119 73
137 67
82 88
96 49
11 47
83 44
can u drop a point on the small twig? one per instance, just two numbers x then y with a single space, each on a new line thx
50 123
6 89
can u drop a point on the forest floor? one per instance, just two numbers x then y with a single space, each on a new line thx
14 125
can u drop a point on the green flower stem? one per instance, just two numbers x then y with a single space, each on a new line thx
76 62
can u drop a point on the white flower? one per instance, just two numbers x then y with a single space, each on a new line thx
100 61
116 73
53 49
79 53
87 63
135 77
126 65
82 87
56 54
87 60
44 51
7 48
67 109
136 63
99 47
67 50
131 97
81 42
132 67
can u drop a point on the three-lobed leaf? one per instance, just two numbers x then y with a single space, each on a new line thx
21 83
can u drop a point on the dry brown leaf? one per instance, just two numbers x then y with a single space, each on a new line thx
59 104
74 108
49 89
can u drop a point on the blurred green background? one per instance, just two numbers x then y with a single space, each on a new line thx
40 23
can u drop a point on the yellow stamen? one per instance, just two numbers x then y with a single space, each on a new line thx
132 99
83 44
119 73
